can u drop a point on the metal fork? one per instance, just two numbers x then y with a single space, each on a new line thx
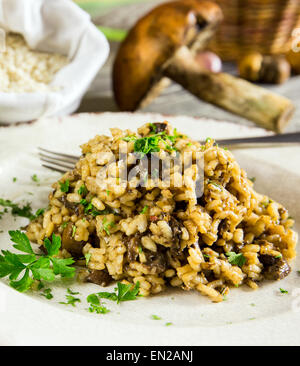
56 161
62 162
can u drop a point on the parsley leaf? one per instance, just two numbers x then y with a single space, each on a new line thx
71 292
95 306
82 190
65 186
21 240
22 211
155 317
283 291
87 258
35 178
107 225
71 300
236 259
144 210
33 266
47 294
122 292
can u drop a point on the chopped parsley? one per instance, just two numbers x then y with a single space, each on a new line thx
253 179
74 228
35 178
65 186
144 210
122 292
39 212
82 190
64 224
283 291
106 225
90 209
155 317
95 306
47 294
23 269
16 210
140 249
71 292
14 179
150 144
168 324
87 258
236 259
71 300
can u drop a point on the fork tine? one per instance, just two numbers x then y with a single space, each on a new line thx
54 168
67 165
56 159
73 157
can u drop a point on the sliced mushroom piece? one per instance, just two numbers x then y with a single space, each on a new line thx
99 277
68 242
275 268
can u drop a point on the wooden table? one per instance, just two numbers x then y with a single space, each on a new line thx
174 100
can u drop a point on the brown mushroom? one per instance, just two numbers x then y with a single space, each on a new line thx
164 43
293 58
264 69
68 242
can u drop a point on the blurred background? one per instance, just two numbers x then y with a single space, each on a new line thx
250 25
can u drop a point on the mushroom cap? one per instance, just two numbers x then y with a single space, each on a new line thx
153 41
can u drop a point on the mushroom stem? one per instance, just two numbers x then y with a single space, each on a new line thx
236 95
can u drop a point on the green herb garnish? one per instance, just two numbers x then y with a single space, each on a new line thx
283 291
22 211
14 179
144 210
90 209
155 317
122 292
95 306
31 266
82 190
236 259
71 300
168 324
71 292
87 257
47 294
107 225
65 186
150 144
35 178
64 224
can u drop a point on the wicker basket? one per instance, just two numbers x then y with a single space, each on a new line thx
255 25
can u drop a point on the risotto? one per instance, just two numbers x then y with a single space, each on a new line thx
161 209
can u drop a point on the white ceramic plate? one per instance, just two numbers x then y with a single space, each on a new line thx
30 319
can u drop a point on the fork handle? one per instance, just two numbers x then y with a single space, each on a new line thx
284 138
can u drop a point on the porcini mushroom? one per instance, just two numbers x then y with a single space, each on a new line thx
260 68
164 43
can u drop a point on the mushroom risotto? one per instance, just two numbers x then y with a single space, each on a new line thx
159 208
